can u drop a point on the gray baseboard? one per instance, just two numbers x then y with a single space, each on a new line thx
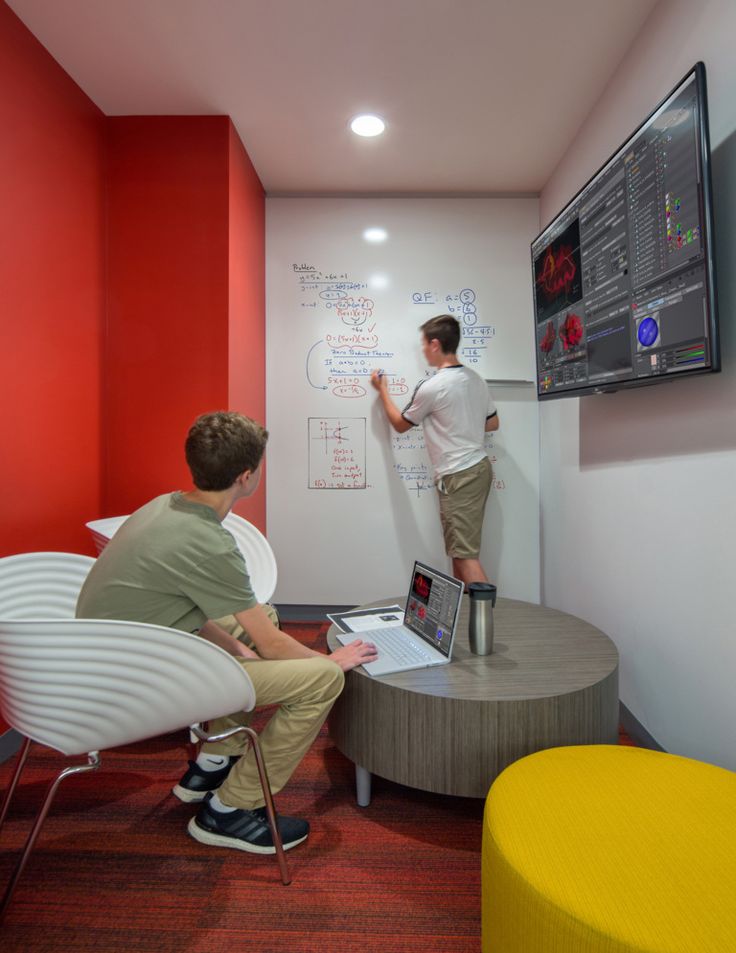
10 741
636 731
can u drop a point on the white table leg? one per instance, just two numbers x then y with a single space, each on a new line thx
362 786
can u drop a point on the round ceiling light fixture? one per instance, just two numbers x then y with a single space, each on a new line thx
367 125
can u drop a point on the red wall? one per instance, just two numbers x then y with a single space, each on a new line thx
186 297
167 338
52 281
133 279
247 305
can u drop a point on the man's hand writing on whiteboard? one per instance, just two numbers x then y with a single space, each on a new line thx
379 381
395 418
354 654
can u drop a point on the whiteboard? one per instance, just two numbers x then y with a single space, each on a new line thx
351 504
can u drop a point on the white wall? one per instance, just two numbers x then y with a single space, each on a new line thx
639 488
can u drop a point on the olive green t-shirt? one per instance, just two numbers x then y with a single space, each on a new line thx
171 563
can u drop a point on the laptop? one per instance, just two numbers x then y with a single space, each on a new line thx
428 632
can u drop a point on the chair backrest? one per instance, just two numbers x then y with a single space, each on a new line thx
41 585
84 685
103 530
258 555
256 550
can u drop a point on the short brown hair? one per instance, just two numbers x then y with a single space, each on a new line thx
445 329
222 445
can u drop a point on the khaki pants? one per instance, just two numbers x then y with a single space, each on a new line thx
304 690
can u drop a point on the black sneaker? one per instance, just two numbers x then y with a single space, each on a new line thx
244 830
197 782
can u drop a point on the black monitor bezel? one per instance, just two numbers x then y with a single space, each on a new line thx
456 583
698 71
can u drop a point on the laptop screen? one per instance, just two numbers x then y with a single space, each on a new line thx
432 606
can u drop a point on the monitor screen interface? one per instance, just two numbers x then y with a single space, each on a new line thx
623 277
432 606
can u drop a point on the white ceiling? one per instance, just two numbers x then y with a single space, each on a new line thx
480 96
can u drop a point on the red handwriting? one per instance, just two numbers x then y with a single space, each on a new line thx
349 390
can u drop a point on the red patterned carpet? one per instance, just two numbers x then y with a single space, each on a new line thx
114 869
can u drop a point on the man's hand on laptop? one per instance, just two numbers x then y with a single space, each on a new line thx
354 654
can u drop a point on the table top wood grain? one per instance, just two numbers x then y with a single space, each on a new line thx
538 653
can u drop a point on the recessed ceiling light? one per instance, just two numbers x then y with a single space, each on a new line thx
367 125
375 235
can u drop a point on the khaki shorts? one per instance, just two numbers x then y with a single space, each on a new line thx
463 498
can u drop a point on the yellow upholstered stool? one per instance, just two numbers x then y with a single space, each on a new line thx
604 849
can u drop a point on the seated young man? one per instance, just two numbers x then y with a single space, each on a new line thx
172 563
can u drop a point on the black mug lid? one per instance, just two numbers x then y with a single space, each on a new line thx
482 590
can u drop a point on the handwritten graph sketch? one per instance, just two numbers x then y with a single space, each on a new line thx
337 458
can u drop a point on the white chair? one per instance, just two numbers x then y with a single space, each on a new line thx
82 685
41 584
67 682
257 553
103 530
256 550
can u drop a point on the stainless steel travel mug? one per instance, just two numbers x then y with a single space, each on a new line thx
482 601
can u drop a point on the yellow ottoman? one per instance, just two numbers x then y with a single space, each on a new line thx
606 849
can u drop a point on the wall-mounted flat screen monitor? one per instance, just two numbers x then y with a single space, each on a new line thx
624 283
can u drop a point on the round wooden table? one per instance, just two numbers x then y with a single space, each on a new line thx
552 680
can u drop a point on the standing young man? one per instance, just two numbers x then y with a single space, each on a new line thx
172 563
456 410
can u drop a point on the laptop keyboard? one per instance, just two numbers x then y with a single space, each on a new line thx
395 643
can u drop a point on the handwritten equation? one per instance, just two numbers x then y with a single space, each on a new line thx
343 363
412 440
340 362
411 465
408 441
416 476
337 455
335 292
463 306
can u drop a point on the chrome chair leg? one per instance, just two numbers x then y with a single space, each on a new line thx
93 762
20 763
265 786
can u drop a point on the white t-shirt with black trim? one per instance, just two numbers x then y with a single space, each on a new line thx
453 406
